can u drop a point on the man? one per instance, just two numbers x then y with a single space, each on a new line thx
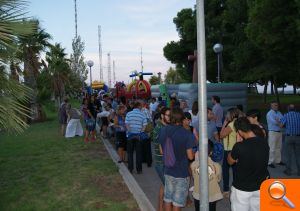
218 112
153 107
163 121
274 134
251 158
291 122
136 123
146 142
212 132
63 117
176 146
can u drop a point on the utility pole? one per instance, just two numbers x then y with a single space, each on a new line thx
75 18
100 53
114 72
142 67
109 70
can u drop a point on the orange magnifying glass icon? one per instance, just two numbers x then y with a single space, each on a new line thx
277 191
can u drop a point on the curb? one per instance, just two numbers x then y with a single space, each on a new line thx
133 186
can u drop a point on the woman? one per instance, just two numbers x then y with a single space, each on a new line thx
253 116
89 113
229 136
120 128
74 127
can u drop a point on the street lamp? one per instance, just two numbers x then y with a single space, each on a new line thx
159 77
90 63
218 48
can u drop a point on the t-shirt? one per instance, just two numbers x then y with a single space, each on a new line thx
252 166
230 140
182 140
218 112
155 137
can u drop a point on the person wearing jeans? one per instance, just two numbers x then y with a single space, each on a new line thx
134 143
136 122
229 135
291 122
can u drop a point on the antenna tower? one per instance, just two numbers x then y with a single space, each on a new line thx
75 18
100 53
114 72
142 67
108 70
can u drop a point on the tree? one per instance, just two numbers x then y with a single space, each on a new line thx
173 77
32 47
58 70
177 51
14 96
154 80
78 66
271 27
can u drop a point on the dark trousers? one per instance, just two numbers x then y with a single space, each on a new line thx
225 171
293 148
134 144
212 205
147 154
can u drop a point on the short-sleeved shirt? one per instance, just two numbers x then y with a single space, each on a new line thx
182 140
291 121
92 109
252 166
135 120
211 130
155 135
230 140
219 113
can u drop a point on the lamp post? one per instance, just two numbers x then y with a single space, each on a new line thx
218 48
90 63
159 77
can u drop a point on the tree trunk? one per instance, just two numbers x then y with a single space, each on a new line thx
276 93
294 89
256 90
265 91
36 111
272 87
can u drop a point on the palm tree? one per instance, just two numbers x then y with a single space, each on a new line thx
31 55
59 70
13 95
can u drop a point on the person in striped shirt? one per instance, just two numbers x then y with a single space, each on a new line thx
291 122
136 122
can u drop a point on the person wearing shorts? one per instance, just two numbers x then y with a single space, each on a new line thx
120 128
177 176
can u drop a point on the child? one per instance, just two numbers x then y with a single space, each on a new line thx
214 177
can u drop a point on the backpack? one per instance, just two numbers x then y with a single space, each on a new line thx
168 153
218 152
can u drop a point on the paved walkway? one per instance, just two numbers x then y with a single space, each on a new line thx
150 183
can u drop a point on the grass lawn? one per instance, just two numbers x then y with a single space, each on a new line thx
40 170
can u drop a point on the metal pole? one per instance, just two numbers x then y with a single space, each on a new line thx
91 76
203 184
219 66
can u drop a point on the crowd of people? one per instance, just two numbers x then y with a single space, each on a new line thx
237 140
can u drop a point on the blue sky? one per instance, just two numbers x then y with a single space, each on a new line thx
127 25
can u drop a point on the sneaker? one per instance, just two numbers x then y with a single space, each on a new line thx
281 164
191 189
271 165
